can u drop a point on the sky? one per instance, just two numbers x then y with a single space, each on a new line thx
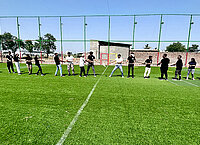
147 28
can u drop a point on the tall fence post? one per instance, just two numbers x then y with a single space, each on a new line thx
85 45
188 42
134 23
40 39
61 38
159 37
18 35
108 41
1 51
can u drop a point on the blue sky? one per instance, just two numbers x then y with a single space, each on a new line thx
175 27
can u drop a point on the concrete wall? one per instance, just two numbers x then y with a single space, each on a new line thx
142 56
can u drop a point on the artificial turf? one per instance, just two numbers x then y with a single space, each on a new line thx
38 109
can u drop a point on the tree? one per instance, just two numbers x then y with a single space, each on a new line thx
176 47
147 46
193 48
47 43
29 46
10 42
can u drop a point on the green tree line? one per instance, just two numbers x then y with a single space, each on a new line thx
12 43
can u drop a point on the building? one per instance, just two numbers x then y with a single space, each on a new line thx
100 49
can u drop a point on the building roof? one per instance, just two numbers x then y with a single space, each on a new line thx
105 43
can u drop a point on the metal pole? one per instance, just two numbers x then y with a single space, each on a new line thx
85 45
188 43
39 25
61 44
159 37
109 41
1 51
133 46
18 34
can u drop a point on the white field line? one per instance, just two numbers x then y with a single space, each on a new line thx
173 83
69 128
191 84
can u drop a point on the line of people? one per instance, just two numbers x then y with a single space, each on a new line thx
164 66
91 58
28 60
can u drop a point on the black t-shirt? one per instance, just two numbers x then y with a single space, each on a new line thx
9 58
131 59
91 58
165 62
57 60
192 63
16 58
37 61
179 64
148 61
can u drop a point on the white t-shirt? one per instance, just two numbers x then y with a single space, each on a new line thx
82 62
70 59
119 60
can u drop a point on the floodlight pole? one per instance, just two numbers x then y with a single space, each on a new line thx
159 37
18 34
39 25
134 23
61 38
108 41
188 43
85 45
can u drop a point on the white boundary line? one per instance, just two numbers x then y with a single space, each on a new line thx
173 83
69 128
191 84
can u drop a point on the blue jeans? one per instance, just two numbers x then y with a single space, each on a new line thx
116 67
58 67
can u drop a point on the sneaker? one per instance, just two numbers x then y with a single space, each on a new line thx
42 74
62 76
85 76
186 78
36 74
110 76
166 79
14 72
80 76
127 76
122 76
95 76
19 74
193 79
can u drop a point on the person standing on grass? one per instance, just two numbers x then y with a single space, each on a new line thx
16 60
179 66
70 64
191 68
28 59
9 62
90 61
118 64
164 66
37 63
58 65
148 63
131 60
82 64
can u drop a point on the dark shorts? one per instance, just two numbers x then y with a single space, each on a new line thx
29 63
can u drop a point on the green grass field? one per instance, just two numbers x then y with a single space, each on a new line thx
38 110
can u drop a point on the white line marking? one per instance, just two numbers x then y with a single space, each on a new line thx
191 84
173 83
69 128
